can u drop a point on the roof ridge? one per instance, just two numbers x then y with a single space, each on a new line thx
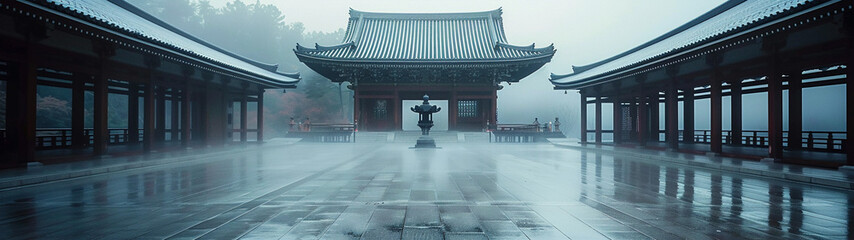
495 13
702 18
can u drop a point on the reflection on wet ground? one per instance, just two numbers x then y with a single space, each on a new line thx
388 191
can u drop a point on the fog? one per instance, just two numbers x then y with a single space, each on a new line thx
583 32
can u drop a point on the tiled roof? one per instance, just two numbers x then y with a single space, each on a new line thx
425 37
123 17
728 18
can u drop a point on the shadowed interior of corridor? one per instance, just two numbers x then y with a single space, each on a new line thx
388 191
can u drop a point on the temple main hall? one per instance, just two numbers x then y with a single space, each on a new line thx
459 57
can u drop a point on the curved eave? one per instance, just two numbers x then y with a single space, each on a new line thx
321 48
742 31
706 16
286 81
529 48
541 55
553 77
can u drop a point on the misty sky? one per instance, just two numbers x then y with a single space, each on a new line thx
583 32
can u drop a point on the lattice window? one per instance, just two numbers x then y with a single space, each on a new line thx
380 110
467 109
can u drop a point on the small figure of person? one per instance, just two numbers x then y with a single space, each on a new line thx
292 123
536 124
557 125
307 125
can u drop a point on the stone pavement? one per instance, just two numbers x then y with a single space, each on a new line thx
805 174
10 178
388 191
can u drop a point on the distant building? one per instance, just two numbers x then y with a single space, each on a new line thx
391 57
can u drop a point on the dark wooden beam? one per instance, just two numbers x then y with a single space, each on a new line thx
598 120
583 116
243 120
78 139
688 115
20 113
133 114
260 113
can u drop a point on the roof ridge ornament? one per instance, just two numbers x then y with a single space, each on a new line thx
492 32
358 31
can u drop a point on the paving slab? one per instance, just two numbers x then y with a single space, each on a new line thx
805 174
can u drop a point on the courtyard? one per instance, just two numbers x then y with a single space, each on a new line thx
389 191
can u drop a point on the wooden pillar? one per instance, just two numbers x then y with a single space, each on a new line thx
643 120
101 133
260 116
217 128
152 62
671 117
633 118
796 112
356 107
161 114
771 46
133 113
396 106
78 139
598 120
199 123
583 117
714 60
452 111
243 118
21 113
688 115
173 115
185 116
716 114
849 110
493 108
775 114
736 115
148 115
618 119
654 121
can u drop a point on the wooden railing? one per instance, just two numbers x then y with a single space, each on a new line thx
54 138
517 127
825 141
521 133
822 141
327 132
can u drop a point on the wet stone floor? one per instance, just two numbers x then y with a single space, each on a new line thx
388 191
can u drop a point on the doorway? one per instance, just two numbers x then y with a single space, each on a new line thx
410 119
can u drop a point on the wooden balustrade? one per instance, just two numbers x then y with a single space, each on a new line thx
521 133
824 141
326 132
56 138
